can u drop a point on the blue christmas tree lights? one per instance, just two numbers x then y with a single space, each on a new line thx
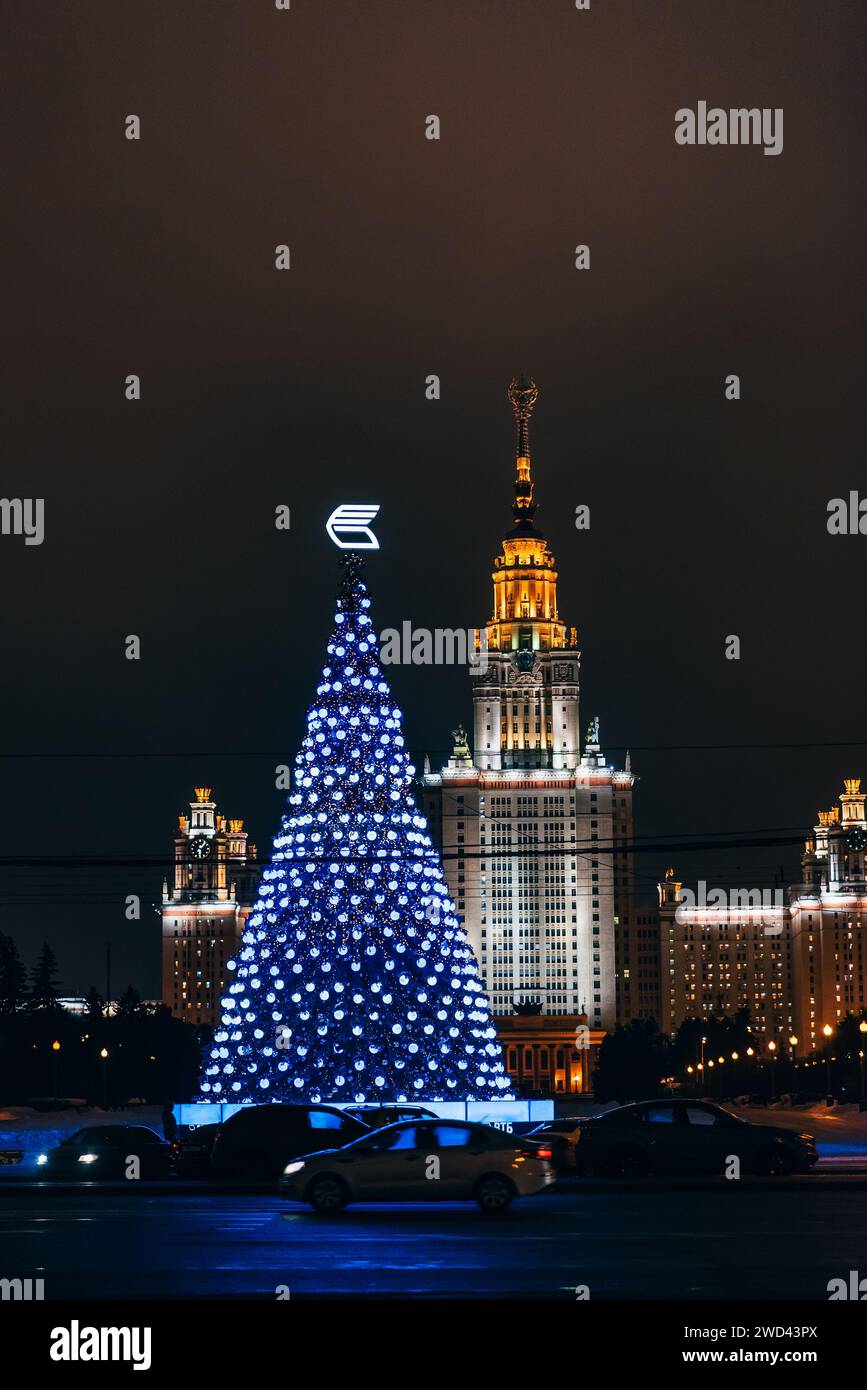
356 981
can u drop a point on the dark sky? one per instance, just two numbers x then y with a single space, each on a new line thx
412 257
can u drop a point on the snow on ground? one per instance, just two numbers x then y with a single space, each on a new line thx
30 1132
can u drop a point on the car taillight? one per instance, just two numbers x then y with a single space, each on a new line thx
544 1153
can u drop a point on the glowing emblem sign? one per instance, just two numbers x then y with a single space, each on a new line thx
351 519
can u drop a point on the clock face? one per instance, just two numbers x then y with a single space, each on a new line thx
856 840
200 846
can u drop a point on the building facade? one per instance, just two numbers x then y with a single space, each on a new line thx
828 913
720 958
204 911
535 830
549 1055
795 959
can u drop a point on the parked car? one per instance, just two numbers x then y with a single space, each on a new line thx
256 1142
191 1151
563 1136
687 1136
102 1152
395 1164
375 1116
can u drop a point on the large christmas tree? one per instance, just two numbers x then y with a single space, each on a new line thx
356 981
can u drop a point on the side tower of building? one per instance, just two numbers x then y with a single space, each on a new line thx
204 911
829 920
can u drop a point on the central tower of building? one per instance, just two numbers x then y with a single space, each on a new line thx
535 831
526 702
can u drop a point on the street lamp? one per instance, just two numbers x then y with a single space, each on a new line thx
829 1099
103 1052
55 1059
772 1047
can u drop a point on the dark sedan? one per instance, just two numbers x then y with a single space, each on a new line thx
256 1142
191 1151
103 1152
688 1136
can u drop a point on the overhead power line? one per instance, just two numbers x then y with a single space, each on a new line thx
418 755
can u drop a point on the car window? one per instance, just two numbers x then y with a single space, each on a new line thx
96 1135
696 1116
660 1115
323 1119
141 1135
451 1136
403 1138
268 1118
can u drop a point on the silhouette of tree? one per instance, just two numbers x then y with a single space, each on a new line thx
632 1061
44 984
129 1003
95 1004
13 977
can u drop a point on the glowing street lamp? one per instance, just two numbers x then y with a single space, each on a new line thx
103 1052
827 1031
55 1059
772 1047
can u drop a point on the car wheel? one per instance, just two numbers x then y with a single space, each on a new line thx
776 1162
494 1193
327 1194
627 1163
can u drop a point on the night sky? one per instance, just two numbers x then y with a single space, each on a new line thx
306 387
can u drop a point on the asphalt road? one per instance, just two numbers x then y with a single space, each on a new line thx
758 1239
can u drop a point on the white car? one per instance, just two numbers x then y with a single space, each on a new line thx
421 1161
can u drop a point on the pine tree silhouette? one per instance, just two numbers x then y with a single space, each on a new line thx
44 984
13 977
356 981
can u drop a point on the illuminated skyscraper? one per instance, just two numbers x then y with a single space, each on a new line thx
535 829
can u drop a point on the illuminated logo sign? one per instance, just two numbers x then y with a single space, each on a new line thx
351 519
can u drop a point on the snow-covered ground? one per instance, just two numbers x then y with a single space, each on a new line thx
31 1132
841 1131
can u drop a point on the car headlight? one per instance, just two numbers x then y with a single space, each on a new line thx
42 1158
87 1158
294 1167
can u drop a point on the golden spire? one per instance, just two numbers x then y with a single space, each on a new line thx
203 794
236 826
852 785
523 394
